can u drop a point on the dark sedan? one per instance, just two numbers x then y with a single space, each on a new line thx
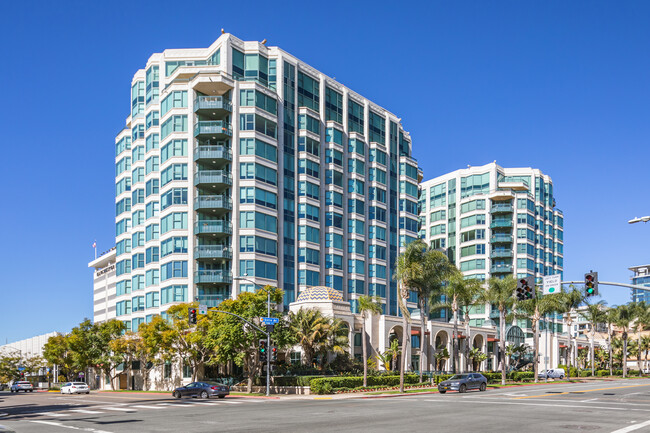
202 390
463 382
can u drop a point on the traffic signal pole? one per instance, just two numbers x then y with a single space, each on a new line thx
609 283
268 344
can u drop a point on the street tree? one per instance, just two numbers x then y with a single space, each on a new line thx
368 306
534 309
594 314
409 269
9 363
57 352
642 323
500 292
310 328
151 341
570 301
623 319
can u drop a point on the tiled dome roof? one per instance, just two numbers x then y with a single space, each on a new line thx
320 293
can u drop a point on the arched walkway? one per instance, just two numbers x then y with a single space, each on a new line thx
441 350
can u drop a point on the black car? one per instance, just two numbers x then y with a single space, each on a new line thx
202 390
463 382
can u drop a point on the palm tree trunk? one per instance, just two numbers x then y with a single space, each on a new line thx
593 361
609 346
422 338
363 348
502 344
536 344
468 339
402 364
638 358
454 343
624 354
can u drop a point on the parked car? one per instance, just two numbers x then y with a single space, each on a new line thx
21 385
463 382
202 389
75 388
552 373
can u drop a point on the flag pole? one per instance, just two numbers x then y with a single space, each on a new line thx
95 247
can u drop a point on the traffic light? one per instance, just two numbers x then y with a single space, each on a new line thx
22 375
525 288
263 353
191 316
591 284
274 354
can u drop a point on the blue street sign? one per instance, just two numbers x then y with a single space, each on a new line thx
270 320
21 368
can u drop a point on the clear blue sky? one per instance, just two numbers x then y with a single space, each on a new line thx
560 86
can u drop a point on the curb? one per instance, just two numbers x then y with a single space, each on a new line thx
400 395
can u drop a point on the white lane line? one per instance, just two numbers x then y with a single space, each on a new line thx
58 424
201 403
143 406
120 409
561 405
632 427
52 414
231 402
85 411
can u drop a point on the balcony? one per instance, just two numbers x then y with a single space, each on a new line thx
500 224
501 208
212 252
214 227
495 254
501 269
212 202
213 128
501 239
212 178
211 301
212 103
212 154
213 277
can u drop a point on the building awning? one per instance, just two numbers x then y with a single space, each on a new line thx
582 347
492 339
417 332
563 346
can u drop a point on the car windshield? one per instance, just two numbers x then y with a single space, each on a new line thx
459 377
79 383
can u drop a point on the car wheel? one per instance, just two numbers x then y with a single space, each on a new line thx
463 388
176 394
561 377
204 395
87 392
442 392
222 396
483 386
31 390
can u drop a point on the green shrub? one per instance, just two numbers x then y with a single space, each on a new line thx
602 373
519 376
326 385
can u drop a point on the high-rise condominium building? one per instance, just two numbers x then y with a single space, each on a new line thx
241 160
641 277
494 221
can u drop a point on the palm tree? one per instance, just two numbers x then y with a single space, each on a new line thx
500 293
442 354
594 314
384 359
335 338
368 305
642 321
624 318
610 318
460 294
394 351
645 346
436 270
311 330
534 309
570 301
409 269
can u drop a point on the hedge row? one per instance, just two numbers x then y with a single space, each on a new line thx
327 385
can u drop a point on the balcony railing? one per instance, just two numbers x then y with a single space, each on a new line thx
213 127
212 202
501 208
222 177
212 252
212 152
501 239
213 276
501 223
501 269
212 227
212 103
500 253
211 300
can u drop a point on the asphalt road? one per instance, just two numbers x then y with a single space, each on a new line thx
621 407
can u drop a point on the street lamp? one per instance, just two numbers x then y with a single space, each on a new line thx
268 334
645 219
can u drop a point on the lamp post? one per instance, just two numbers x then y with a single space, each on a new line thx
635 220
268 334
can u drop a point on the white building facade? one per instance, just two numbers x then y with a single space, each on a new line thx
104 286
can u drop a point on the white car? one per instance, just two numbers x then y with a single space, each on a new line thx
553 373
22 385
75 388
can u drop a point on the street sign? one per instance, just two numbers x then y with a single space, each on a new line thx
21 368
203 309
270 320
552 284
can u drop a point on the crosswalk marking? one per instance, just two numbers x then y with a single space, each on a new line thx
121 409
231 402
52 414
85 411
143 406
